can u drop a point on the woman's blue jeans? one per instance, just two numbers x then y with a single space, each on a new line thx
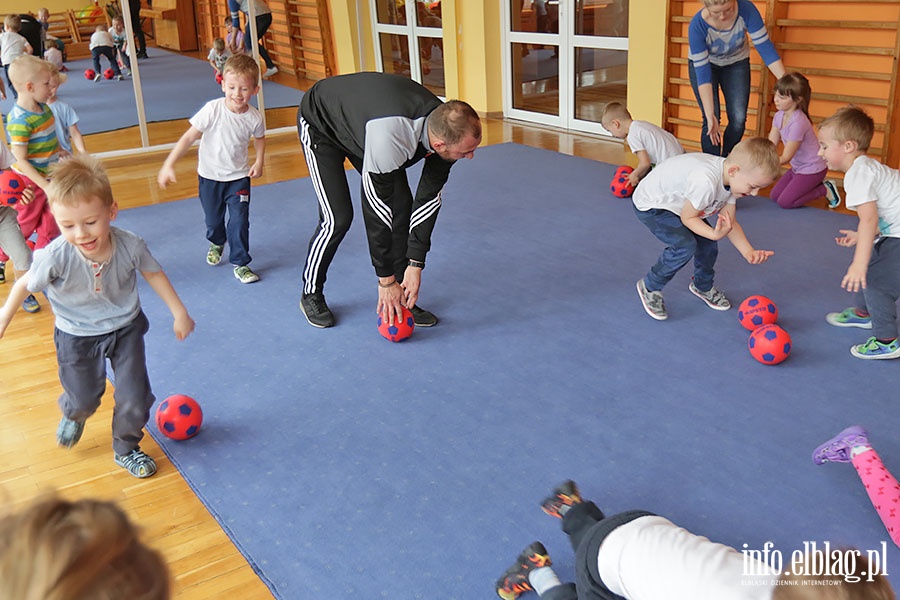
734 81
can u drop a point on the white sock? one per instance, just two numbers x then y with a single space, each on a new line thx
542 579
857 450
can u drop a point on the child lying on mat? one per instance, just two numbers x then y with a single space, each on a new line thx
224 126
90 276
674 202
637 555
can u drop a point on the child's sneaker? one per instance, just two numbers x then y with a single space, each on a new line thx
875 350
97 77
245 275
565 494
214 255
849 318
69 432
831 194
31 304
515 580
269 72
837 449
714 298
652 301
137 463
2 272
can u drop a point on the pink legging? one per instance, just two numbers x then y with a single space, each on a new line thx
882 488
794 190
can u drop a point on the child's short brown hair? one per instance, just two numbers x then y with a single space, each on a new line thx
851 124
26 69
14 22
796 87
614 110
242 65
756 153
219 44
77 179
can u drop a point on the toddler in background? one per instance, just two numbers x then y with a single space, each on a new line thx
218 54
12 46
120 42
67 132
803 181
102 45
234 38
651 144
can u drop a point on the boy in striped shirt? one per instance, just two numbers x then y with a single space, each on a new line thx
32 136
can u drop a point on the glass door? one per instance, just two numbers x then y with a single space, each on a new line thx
564 60
409 40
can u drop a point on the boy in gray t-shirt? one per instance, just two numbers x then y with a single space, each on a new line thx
89 275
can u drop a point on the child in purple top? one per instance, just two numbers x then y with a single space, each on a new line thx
803 182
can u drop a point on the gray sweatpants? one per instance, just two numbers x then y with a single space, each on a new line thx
82 373
879 298
11 239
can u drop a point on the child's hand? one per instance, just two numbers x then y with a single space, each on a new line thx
848 239
855 279
756 257
724 225
27 195
183 326
166 176
633 179
256 170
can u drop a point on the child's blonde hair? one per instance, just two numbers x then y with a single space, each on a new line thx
77 179
100 28
835 587
43 12
851 124
795 86
27 68
219 44
756 153
614 110
57 550
242 65
709 3
14 22
55 72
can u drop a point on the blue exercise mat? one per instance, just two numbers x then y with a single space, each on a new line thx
343 465
174 87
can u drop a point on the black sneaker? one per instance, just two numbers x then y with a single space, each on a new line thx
316 311
515 580
565 494
422 317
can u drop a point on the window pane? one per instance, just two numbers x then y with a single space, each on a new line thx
395 53
391 12
600 77
608 18
536 16
428 13
432 52
535 78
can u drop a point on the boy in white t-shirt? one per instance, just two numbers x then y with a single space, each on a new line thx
102 44
873 191
651 144
675 200
218 55
224 127
12 46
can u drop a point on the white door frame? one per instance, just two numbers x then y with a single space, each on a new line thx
567 42
411 31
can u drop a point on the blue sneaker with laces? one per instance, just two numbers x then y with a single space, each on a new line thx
849 318
31 304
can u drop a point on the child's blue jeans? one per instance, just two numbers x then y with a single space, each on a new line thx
681 244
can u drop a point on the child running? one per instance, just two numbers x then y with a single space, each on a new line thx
674 202
651 144
805 180
90 276
873 191
224 128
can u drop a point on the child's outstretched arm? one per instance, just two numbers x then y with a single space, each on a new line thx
77 139
259 144
167 172
642 169
693 220
863 238
17 295
739 239
160 283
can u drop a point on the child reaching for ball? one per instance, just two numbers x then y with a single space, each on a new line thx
224 127
102 44
805 180
674 202
873 191
651 144
90 276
